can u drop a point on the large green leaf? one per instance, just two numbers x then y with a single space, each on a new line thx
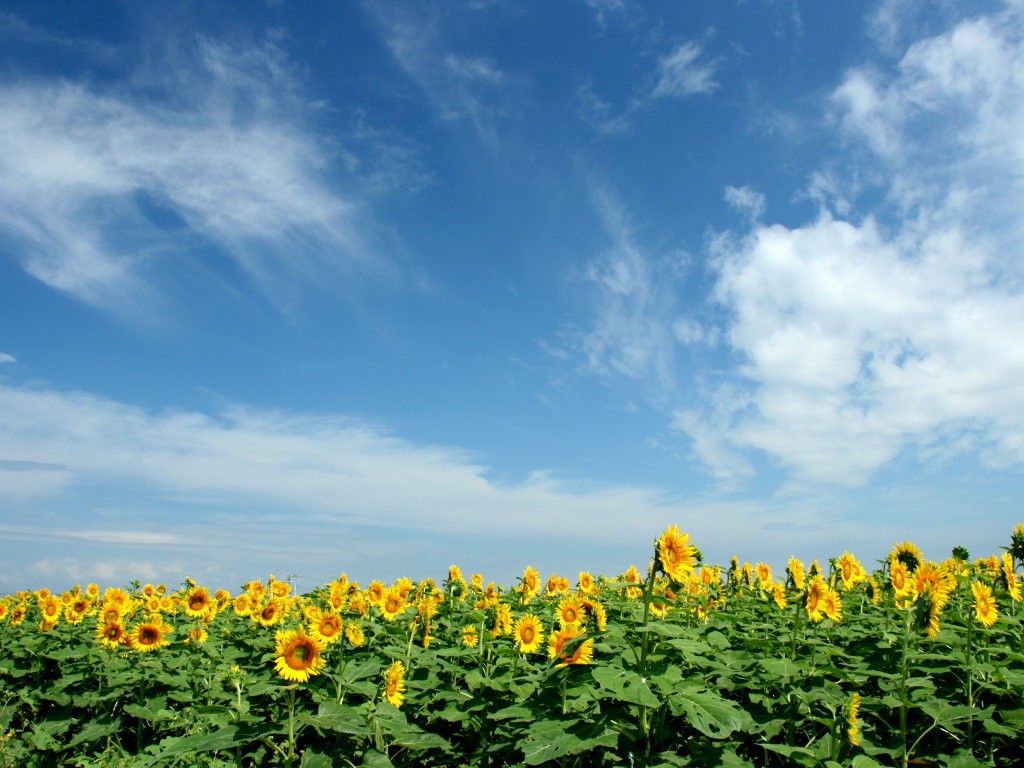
709 713
625 685
548 740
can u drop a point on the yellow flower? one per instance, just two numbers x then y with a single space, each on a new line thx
298 656
274 612
779 595
470 639
764 576
853 718
148 636
985 607
570 612
197 636
908 553
676 555
587 583
815 594
326 627
392 604
112 636
851 571
529 633
198 602
583 653
394 684
531 583
354 633
832 604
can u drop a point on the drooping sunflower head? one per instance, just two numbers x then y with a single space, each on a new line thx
298 656
798 573
908 553
394 683
1016 548
354 633
566 646
779 594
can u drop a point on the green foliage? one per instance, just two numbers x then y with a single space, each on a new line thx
725 677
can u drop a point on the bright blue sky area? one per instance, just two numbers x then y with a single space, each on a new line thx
379 287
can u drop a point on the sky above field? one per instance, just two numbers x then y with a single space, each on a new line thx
312 288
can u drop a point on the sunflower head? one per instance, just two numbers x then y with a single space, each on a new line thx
1016 547
674 555
529 633
394 683
298 656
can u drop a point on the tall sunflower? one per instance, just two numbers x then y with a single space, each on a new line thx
815 593
198 602
529 633
326 627
531 583
394 683
393 604
675 554
298 655
832 604
985 607
570 612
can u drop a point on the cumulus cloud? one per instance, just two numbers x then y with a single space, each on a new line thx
865 337
98 181
5 358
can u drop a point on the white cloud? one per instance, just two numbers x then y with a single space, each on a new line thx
747 201
222 147
632 332
5 358
680 75
861 342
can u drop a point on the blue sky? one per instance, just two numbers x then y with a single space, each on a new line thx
379 287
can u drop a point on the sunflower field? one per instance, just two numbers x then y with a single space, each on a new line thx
916 662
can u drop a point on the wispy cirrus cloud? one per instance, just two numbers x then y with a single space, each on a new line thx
682 73
100 182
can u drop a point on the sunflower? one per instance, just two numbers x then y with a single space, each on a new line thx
242 605
393 603
4 609
17 614
1017 542
274 612
763 571
529 633
570 612
470 639
779 595
354 633
148 636
197 636
116 595
52 608
832 604
985 607
298 655
394 683
853 718
93 591
531 583
583 653
112 635
327 628
815 595
587 584
198 602
675 554
110 613
908 553
1010 577
899 575
851 571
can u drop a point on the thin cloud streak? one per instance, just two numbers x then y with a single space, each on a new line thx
97 183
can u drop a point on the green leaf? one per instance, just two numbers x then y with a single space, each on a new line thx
222 738
374 759
338 717
547 740
95 730
311 759
625 685
709 713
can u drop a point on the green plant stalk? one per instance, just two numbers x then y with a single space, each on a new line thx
904 674
969 661
645 726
